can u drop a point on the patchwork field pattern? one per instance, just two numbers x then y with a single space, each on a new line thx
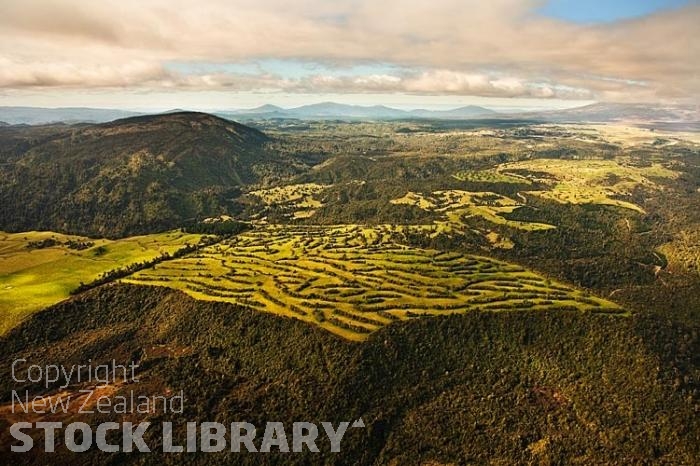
604 182
297 199
353 280
490 176
457 205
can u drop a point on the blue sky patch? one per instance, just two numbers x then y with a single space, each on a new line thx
606 11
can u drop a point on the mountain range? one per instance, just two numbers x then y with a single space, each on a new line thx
334 110
612 112
40 116
598 112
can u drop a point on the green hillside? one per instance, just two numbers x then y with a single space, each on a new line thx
504 388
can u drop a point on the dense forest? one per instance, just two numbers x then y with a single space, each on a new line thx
131 176
508 387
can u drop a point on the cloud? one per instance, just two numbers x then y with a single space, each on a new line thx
437 82
53 74
145 75
452 47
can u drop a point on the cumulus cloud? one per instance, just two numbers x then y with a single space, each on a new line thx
463 47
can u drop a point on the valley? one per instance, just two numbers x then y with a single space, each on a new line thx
350 252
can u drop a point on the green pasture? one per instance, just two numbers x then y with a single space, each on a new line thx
352 280
31 279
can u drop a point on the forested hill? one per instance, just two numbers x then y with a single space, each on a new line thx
480 388
129 176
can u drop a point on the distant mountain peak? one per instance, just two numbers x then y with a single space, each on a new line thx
266 108
174 110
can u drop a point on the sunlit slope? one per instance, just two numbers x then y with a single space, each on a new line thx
457 205
604 182
353 280
34 275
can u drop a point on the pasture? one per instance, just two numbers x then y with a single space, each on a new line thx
490 176
352 280
605 182
456 206
33 278
298 199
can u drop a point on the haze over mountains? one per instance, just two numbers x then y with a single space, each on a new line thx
378 112
599 112
320 111
612 112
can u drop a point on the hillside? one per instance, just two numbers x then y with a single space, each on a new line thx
130 176
509 388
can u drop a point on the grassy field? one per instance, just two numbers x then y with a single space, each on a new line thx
457 205
352 280
297 199
490 176
33 278
604 182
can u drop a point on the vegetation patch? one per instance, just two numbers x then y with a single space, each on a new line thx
353 280
297 199
490 176
33 278
457 206
604 182
683 252
499 241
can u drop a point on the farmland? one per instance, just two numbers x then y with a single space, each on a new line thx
353 280
603 182
295 200
38 269
490 176
456 205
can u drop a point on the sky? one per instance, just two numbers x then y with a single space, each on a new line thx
226 54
